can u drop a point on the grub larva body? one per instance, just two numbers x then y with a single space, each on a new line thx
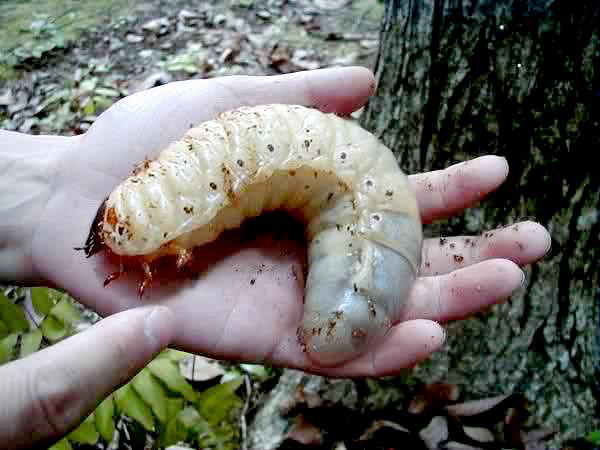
361 216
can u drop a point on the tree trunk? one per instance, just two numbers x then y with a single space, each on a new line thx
458 79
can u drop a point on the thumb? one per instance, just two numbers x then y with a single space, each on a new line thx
49 393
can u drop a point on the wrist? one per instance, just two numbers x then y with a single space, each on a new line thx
28 168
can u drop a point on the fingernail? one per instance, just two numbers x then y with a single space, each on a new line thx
159 325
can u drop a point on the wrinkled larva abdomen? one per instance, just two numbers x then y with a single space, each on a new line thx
362 220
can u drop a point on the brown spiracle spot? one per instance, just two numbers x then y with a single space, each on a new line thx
359 333
331 327
139 168
459 258
292 173
240 163
213 186
188 209
389 193
270 147
111 216
372 309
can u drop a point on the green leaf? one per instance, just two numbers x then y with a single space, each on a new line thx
40 298
8 346
189 417
3 330
58 96
30 343
169 373
130 403
104 416
217 402
174 405
89 107
258 370
63 444
85 433
106 92
101 103
89 84
173 432
66 312
152 392
12 315
593 437
53 329
174 355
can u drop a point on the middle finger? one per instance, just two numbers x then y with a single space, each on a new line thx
521 243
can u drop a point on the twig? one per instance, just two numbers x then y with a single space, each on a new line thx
244 411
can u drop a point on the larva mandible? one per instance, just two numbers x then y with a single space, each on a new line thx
362 221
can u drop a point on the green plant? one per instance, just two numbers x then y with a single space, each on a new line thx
593 437
44 35
158 399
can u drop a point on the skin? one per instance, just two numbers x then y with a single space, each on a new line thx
54 185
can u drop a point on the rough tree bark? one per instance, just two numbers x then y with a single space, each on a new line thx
462 78
458 79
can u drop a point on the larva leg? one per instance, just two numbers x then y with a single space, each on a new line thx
147 281
183 258
115 275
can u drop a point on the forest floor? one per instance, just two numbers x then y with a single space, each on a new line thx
62 65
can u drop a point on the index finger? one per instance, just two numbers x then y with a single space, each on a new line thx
441 193
146 122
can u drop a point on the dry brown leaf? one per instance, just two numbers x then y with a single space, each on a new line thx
199 368
474 407
434 394
305 432
435 433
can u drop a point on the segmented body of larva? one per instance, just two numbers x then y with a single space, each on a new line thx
362 220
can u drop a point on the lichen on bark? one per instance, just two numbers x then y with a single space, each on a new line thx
517 79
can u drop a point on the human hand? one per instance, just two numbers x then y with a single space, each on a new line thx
45 395
223 313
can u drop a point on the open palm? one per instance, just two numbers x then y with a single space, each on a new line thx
247 303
